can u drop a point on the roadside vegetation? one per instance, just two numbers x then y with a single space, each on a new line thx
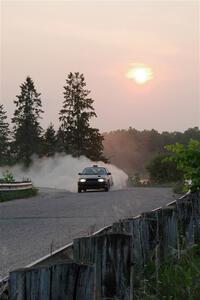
178 168
12 195
187 160
174 280
8 178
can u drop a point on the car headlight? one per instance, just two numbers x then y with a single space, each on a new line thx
82 180
101 180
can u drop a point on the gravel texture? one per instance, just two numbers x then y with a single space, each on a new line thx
31 228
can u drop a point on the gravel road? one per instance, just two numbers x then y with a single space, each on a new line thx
29 228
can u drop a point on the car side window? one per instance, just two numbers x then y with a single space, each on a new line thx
107 171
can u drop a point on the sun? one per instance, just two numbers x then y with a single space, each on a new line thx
140 73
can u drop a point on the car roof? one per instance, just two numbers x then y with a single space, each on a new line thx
95 167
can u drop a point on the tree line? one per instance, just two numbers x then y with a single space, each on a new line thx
143 152
134 151
74 136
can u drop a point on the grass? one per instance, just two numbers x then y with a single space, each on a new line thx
176 281
12 195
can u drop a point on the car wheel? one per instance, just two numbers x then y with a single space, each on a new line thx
79 190
106 189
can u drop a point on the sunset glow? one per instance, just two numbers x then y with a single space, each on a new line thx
138 57
140 74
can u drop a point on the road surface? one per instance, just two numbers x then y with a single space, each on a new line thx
29 228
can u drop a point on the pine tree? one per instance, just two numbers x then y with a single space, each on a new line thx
27 130
4 136
50 142
78 137
94 145
60 141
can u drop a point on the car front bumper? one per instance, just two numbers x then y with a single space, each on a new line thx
92 184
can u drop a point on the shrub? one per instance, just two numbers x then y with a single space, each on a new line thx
8 177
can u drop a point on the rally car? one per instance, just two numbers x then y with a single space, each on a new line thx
93 178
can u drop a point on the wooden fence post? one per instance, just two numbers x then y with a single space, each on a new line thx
57 282
111 254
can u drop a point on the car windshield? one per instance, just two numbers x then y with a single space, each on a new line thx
94 171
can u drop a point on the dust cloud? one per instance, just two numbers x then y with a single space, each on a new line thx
61 171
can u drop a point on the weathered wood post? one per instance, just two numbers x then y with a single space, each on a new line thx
111 254
17 285
133 226
149 231
57 282
186 221
168 234
196 210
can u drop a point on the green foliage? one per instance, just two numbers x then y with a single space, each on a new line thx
12 195
176 281
187 159
163 170
75 134
8 177
181 281
27 130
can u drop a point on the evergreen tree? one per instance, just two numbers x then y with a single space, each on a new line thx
77 135
50 141
27 130
4 136
60 141
93 145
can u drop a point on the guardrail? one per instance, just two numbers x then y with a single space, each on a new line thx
15 186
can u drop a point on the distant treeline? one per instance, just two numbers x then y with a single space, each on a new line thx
132 150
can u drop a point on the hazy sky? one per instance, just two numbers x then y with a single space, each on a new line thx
49 39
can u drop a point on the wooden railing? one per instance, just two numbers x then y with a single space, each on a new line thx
111 262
